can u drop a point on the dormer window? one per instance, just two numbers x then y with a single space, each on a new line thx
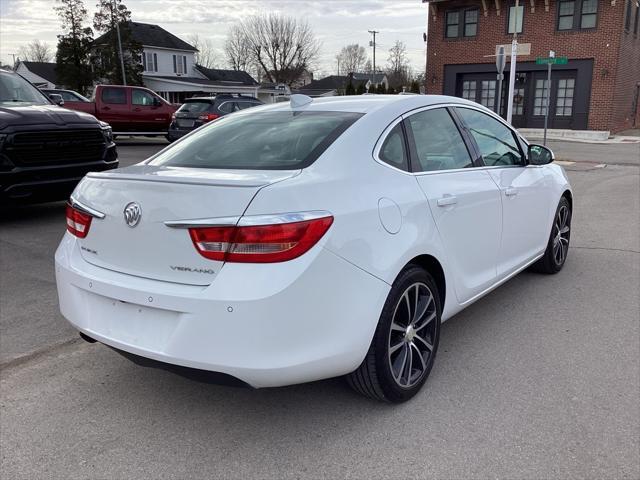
180 64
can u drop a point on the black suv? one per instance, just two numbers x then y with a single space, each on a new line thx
45 149
197 111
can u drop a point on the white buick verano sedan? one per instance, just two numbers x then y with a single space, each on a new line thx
312 239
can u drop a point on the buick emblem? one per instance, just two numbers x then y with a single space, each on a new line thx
132 213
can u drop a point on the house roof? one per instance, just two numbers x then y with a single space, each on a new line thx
45 70
374 77
152 36
327 84
235 76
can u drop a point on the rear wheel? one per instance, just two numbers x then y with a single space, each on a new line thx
405 343
558 246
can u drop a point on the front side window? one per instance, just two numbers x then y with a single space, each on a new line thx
439 144
516 19
495 140
282 140
140 97
577 14
117 96
393 150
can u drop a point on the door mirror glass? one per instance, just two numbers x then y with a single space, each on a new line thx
57 99
540 155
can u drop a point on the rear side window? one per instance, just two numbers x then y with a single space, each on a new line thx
393 150
243 105
114 95
228 107
195 107
282 140
439 145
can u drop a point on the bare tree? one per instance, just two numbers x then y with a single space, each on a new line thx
283 47
207 55
398 69
352 58
36 51
238 50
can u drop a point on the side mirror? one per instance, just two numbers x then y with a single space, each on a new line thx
57 99
539 155
157 102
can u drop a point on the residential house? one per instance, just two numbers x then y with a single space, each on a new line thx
337 84
597 89
170 69
41 74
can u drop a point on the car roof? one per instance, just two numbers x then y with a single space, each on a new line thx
373 103
219 97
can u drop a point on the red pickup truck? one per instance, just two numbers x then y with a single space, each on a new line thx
129 110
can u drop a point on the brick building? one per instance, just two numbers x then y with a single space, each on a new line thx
598 89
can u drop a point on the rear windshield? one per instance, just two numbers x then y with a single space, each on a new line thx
195 107
259 141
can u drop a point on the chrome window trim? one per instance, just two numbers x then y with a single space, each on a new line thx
86 209
250 220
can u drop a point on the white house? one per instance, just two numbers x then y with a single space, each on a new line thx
170 69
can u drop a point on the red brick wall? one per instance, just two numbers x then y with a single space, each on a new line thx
602 44
627 78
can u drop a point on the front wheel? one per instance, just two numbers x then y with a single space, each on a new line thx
405 343
558 245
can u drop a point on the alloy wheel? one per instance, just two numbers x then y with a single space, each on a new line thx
412 335
561 231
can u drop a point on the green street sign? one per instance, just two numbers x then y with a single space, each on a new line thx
552 61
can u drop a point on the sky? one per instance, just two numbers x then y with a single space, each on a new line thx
336 23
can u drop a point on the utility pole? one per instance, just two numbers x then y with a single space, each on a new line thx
512 71
114 15
552 54
373 44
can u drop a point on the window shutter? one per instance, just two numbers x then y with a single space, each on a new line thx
175 66
184 63
155 62
144 62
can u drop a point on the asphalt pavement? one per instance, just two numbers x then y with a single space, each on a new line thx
540 379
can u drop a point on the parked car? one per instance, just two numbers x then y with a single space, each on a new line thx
129 110
44 149
197 111
313 239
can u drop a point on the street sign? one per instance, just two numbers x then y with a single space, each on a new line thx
523 49
501 59
552 60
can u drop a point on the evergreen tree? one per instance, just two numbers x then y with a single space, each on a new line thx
361 90
381 89
415 87
110 13
350 90
72 57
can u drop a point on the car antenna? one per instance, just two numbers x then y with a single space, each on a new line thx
298 100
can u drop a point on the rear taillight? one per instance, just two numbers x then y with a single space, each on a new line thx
207 117
259 243
173 116
78 222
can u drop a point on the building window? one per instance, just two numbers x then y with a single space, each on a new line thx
627 16
577 14
469 90
540 98
461 23
516 17
150 62
564 101
180 64
488 94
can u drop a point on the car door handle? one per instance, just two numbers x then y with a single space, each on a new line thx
106 108
137 109
447 200
511 192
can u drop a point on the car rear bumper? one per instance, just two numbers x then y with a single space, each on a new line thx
266 325
51 182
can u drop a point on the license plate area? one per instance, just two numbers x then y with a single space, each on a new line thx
186 123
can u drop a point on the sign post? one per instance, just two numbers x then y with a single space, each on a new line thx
512 71
550 60
500 63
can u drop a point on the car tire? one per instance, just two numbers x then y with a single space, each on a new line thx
400 358
557 249
169 138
